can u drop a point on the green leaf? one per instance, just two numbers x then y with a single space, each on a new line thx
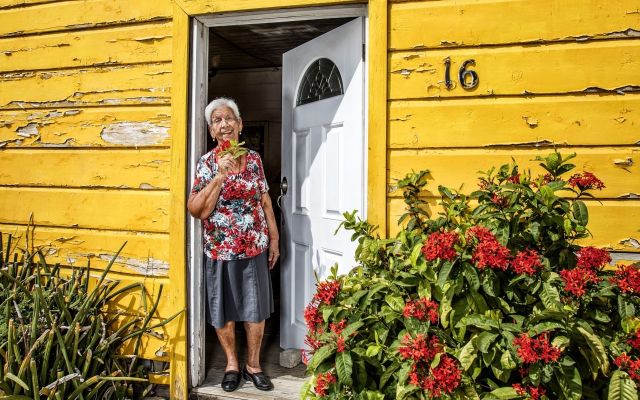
467 355
443 276
580 212
372 350
388 373
480 321
545 326
504 393
621 387
484 340
625 309
344 367
372 395
395 302
596 346
550 297
507 362
570 382
351 329
320 355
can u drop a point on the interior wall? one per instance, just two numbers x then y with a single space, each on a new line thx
258 93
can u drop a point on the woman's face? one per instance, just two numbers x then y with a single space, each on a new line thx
224 125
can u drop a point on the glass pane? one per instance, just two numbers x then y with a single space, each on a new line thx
320 81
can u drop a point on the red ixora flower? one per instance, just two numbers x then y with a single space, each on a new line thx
526 262
531 392
593 258
630 365
312 317
491 253
420 348
531 350
327 291
514 179
499 200
586 181
440 245
444 378
577 279
627 278
422 309
323 381
480 233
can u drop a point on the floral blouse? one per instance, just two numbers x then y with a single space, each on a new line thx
237 227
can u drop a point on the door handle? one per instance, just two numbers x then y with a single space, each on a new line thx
284 187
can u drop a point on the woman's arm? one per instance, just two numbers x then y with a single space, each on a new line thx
274 237
201 204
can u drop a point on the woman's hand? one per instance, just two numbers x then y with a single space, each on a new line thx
274 252
228 164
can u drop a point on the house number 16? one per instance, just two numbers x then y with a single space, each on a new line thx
468 78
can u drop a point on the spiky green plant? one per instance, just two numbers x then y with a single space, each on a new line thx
57 340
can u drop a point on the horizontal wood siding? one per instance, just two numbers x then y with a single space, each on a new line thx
85 140
550 76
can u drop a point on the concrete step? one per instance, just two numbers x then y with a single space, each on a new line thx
286 387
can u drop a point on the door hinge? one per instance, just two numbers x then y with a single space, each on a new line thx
364 51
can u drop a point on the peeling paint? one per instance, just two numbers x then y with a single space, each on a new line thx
410 56
531 121
29 130
72 112
620 119
631 242
623 162
148 267
146 186
629 196
537 143
134 133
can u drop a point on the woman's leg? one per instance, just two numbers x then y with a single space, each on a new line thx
227 338
254 331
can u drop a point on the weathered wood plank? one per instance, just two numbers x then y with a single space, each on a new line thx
198 7
517 70
114 85
121 45
456 168
69 15
23 3
145 254
567 120
129 210
464 23
613 223
86 127
123 169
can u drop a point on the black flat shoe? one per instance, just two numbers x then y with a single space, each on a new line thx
230 381
259 379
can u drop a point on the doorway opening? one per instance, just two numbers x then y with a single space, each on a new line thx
240 56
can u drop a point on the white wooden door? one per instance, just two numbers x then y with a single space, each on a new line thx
323 162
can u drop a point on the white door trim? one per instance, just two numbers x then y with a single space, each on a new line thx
197 143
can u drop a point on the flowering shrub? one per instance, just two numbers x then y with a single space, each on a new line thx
491 299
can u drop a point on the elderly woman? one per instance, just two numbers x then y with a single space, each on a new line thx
230 196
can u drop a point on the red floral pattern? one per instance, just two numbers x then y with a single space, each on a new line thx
627 278
593 258
529 392
526 262
237 227
323 381
577 279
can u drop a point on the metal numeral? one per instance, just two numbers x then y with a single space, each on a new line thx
468 78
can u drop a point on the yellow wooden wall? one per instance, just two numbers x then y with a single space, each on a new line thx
85 138
551 74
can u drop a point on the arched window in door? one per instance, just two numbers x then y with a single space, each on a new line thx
320 81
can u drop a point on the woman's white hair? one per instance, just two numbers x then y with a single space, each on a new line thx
220 102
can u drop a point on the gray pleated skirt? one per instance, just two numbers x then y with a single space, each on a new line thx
238 290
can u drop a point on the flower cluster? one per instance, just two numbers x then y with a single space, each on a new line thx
586 181
630 365
499 200
490 253
593 258
312 317
531 350
442 378
440 245
422 309
323 381
326 292
530 392
526 262
627 278
635 341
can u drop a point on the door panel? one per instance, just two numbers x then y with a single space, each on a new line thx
323 159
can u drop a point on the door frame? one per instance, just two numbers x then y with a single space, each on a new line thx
197 138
